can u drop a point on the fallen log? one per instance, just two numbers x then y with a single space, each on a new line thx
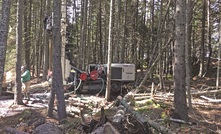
158 94
13 130
84 101
77 104
205 92
143 119
142 97
75 110
211 100
178 121
196 93
70 114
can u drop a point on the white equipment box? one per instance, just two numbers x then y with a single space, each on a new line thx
122 72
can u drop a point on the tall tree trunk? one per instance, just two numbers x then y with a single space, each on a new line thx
152 32
134 32
46 43
116 51
26 36
18 94
188 48
39 40
201 72
64 66
28 54
4 24
100 32
108 88
57 84
179 63
122 57
159 35
83 35
219 56
208 36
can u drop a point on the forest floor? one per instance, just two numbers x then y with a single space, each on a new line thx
204 117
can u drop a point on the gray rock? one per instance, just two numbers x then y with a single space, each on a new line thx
47 128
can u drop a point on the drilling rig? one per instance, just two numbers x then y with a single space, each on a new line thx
94 79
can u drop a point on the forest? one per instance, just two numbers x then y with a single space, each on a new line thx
174 45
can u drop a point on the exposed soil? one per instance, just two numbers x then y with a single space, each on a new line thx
204 117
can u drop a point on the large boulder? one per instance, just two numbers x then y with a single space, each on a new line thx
47 128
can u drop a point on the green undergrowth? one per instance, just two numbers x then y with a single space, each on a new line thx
152 108
146 105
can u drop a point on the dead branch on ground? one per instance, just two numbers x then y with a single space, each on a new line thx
143 119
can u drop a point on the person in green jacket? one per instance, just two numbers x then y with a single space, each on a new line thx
25 79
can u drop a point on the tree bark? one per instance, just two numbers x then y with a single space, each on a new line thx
122 56
57 83
27 31
188 48
179 62
18 94
219 56
4 21
202 51
83 35
108 88
208 55
46 44
117 47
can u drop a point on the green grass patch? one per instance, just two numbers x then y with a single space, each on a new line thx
146 105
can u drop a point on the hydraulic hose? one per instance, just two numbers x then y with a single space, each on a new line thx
102 86
74 89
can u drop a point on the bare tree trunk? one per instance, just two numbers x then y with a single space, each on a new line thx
57 84
188 48
208 36
64 66
202 54
153 45
4 24
83 35
179 63
159 35
108 88
117 46
122 57
26 35
39 40
134 31
28 54
18 94
46 44
100 32
219 55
